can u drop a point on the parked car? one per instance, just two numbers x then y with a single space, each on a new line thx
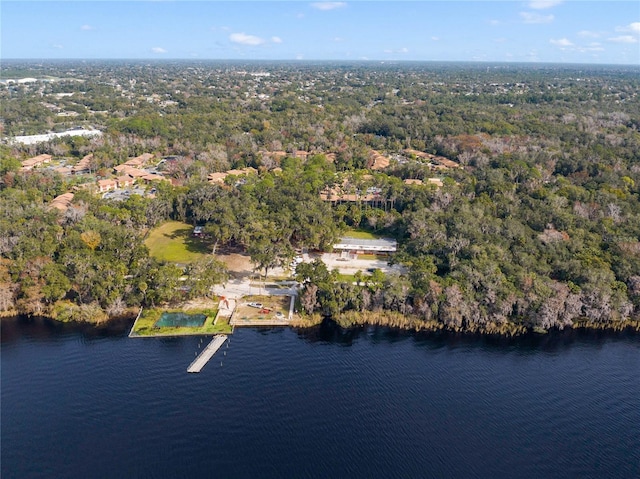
256 305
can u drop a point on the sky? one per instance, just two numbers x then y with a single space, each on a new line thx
569 31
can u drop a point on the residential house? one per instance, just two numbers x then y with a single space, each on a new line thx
83 166
62 202
35 162
139 161
377 161
107 185
218 178
134 172
435 181
148 178
441 161
124 181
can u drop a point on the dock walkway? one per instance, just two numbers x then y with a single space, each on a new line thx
207 353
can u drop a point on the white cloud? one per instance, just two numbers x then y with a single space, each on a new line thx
276 39
623 39
158 50
589 34
534 18
86 28
543 4
633 28
338 39
57 46
328 5
299 56
592 47
532 56
561 42
244 39
399 50
435 39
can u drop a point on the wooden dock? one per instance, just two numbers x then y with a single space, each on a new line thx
207 353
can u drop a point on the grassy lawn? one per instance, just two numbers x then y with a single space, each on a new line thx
145 325
360 234
174 242
371 256
346 278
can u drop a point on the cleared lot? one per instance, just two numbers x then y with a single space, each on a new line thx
173 241
272 307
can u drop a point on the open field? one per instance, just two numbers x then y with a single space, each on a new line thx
237 262
173 242
360 234
145 325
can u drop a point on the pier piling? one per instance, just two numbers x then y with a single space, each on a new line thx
206 354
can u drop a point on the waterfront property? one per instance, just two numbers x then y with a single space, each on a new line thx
265 310
177 322
180 319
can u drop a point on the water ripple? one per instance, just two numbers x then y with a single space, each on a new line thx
367 403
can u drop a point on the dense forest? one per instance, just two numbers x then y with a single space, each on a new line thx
536 226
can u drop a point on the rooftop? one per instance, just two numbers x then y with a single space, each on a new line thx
385 245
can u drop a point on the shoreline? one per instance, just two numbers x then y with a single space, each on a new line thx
508 330
389 319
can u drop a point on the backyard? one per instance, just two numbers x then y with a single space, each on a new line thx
174 242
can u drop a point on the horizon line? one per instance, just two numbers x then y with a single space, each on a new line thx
306 60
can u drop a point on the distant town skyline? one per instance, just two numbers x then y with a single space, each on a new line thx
604 32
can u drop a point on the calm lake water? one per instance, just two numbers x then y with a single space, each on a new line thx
86 403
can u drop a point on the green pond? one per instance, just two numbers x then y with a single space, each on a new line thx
172 320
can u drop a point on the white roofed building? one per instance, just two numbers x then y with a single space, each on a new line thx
363 246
